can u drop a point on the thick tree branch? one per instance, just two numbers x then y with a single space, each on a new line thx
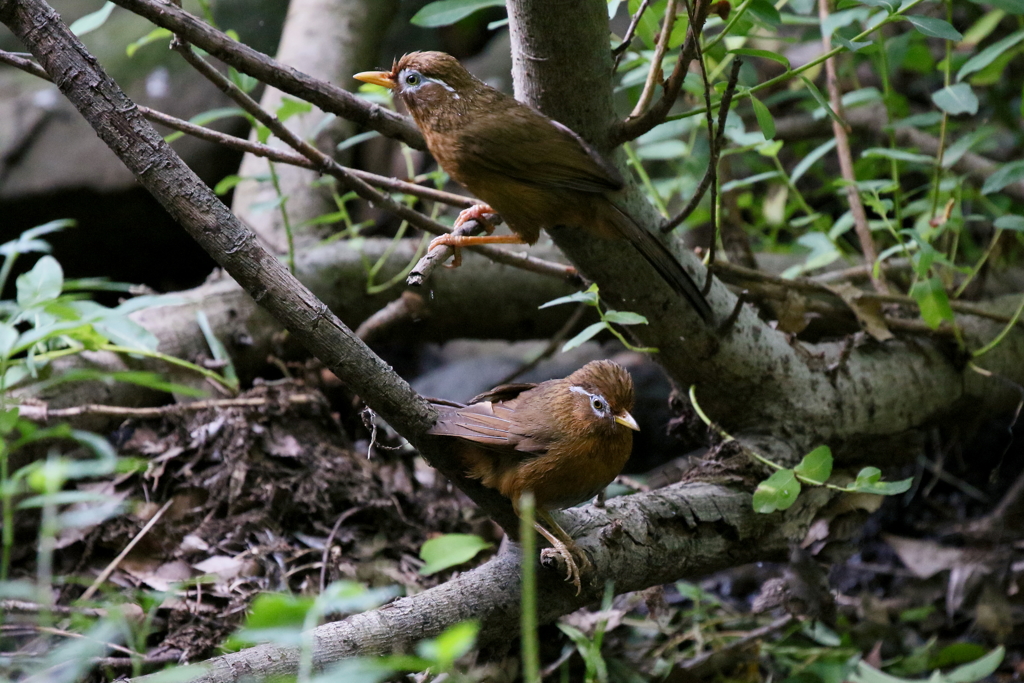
119 124
684 530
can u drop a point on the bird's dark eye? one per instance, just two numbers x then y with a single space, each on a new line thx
598 405
412 79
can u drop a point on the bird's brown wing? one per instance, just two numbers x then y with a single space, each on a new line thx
526 151
502 392
489 422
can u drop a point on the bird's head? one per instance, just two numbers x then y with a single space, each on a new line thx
602 396
425 81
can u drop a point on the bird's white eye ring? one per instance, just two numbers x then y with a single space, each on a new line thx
597 404
412 78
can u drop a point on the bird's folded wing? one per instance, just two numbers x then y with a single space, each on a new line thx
560 159
488 424
477 423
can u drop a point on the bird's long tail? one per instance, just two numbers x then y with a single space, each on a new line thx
658 255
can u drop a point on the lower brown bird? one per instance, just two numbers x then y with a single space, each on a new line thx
564 440
533 171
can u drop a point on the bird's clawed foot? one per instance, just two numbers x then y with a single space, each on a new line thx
476 213
562 548
473 213
560 553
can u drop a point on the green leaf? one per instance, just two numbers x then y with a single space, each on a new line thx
764 118
589 296
766 54
750 180
8 420
151 37
350 597
449 550
624 318
989 55
869 480
956 99
934 27
663 150
932 300
227 184
1007 173
820 99
584 336
816 465
849 44
809 160
884 4
777 492
92 21
8 339
898 155
290 107
1008 6
765 12
354 140
1010 222
41 284
453 643
978 669
955 653
445 12
219 351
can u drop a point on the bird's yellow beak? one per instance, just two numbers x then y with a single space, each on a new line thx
382 78
626 420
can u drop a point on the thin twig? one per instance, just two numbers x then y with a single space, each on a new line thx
716 151
628 38
634 127
655 74
23 63
330 539
708 663
288 157
42 413
442 252
860 218
861 272
25 607
105 574
732 273
407 307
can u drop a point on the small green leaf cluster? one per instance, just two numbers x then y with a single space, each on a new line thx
780 490
50 318
590 297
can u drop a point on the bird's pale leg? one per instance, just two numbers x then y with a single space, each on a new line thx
564 546
456 242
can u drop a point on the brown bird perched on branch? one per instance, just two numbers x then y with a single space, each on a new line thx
564 440
533 171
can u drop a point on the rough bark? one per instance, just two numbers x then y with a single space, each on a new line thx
637 541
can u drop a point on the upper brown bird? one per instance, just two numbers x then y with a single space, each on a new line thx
533 171
564 440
